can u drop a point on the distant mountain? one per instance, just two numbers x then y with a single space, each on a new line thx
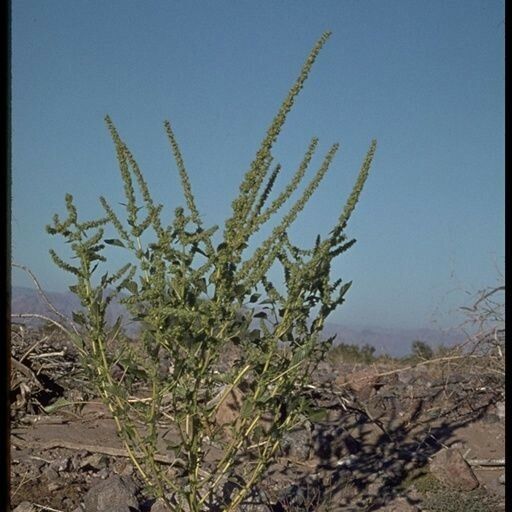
28 300
394 341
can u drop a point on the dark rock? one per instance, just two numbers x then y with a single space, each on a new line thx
333 442
165 365
298 443
256 501
116 494
50 474
159 506
491 418
450 468
300 497
324 373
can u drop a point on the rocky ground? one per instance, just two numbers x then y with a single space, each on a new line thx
396 436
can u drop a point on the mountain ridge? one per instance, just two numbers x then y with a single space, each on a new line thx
391 340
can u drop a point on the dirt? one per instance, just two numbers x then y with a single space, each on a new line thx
383 425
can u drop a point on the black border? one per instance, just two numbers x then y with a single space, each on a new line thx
5 374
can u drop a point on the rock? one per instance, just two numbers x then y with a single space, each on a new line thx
324 373
422 382
399 504
450 468
50 474
76 460
103 473
115 494
61 464
361 382
333 442
298 443
36 463
500 410
95 461
25 506
159 506
165 365
229 409
53 486
374 489
67 503
127 470
491 418
406 377
501 479
122 467
256 501
229 356
308 495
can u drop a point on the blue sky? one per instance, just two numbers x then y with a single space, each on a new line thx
426 79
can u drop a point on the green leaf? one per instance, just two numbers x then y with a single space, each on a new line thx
255 334
114 241
176 448
79 318
199 250
239 290
77 340
201 285
317 414
131 286
246 409
58 404
117 326
254 297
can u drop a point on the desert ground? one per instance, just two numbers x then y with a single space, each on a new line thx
396 435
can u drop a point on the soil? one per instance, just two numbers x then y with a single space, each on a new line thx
384 424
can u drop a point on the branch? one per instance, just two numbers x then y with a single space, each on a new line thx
41 292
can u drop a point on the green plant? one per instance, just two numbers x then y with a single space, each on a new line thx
450 500
421 350
438 497
349 353
443 351
196 300
423 481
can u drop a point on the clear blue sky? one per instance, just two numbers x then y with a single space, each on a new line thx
424 78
